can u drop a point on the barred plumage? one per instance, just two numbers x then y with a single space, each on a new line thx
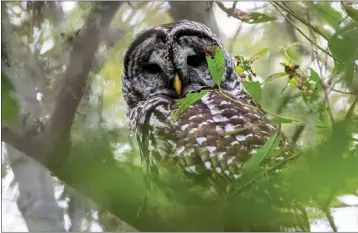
205 140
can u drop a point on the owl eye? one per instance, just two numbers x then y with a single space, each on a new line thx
195 60
152 68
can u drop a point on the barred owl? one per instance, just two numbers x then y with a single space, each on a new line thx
163 64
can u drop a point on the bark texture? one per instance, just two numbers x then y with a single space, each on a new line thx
36 200
202 12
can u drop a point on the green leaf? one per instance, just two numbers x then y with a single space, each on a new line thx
239 69
343 43
344 47
246 65
285 119
216 64
256 17
286 51
275 76
183 104
282 119
312 94
9 105
258 55
252 164
254 89
326 12
314 85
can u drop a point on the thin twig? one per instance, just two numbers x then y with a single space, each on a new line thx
325 91
329 216
298 132
343 92
303 34
234 12
297 16
351 109
315 55
315 29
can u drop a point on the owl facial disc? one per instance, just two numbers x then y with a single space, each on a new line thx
171 58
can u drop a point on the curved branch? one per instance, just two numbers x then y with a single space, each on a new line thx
18 140
74 79
234 12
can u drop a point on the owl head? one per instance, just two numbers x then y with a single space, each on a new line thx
169 60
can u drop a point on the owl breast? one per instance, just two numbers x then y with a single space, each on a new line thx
217 134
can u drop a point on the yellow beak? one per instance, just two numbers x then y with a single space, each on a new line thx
177 84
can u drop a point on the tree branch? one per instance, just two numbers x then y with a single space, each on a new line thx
343 92
72 83
18 140
234 12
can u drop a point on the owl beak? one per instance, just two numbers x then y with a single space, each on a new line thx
177 84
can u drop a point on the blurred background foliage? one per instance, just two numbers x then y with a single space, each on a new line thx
37 38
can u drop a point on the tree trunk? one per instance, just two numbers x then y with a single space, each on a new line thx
36 201
77 207
200 12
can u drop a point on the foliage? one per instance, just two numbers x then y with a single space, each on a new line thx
345 50
253 88
216 63
183 104
252 164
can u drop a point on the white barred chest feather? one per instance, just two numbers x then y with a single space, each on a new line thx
216 134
